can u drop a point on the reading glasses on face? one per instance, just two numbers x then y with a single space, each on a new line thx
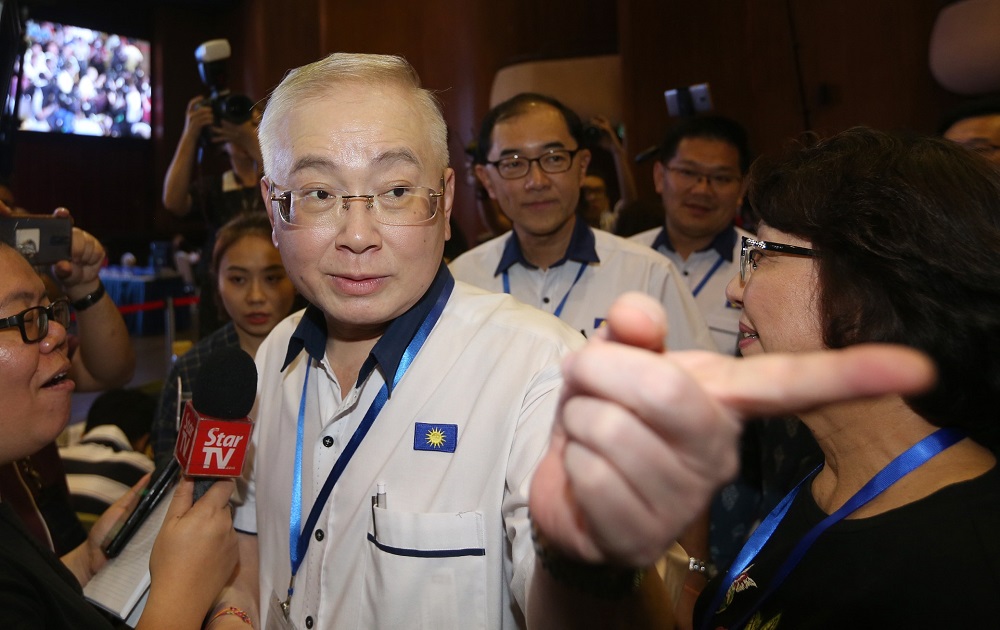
552 161
752 249
320 207
34 322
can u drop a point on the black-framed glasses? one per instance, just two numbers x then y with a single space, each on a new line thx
552 161
752 249
322 207
688 178
34 322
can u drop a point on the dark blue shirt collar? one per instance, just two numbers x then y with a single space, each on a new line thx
311 333
723 243
582 248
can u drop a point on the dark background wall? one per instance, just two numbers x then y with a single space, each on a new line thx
779 66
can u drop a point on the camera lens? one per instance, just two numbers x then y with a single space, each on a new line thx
234 108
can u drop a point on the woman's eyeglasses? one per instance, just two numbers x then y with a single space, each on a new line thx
753 249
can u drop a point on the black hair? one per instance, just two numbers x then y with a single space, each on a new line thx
131 410
516 106
908 231
714 127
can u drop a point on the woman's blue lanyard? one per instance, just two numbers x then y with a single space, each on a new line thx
299 536
907 462
704 281
562 303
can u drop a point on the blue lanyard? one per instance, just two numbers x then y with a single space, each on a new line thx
299 537
562 303
905 463
704 281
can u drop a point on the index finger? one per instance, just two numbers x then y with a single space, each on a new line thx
689 384
793 383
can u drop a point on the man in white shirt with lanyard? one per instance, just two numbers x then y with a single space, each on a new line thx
699 173
402 415
531 160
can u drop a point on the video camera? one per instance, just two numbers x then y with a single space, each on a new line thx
212 57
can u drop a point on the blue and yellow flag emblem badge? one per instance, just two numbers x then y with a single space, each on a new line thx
435 437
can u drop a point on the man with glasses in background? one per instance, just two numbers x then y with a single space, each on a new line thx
531 160
699 174
402 414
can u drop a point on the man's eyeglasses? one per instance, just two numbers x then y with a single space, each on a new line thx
552 161
321 207
688 178
753 249
34 322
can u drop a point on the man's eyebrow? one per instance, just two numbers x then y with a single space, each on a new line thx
546 147
313 161
395 156
385 158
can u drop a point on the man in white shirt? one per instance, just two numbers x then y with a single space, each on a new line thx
402 415
699 173
530 159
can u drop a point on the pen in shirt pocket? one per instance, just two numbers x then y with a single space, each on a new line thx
378 501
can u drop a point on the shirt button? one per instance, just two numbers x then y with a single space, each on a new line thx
327 441
319 534
545 300
309 622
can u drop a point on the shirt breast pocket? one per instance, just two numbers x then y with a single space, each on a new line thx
425 570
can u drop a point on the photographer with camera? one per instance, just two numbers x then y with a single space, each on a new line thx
220 122
217 197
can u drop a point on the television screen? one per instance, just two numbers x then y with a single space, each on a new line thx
85 82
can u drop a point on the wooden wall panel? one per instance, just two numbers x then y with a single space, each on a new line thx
779 66
867 63
741 49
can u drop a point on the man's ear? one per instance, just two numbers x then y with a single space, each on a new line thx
659 171
484 178
449 200
585 156
265 192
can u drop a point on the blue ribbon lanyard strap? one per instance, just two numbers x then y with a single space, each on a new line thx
562 302
708 276
299 536
905 463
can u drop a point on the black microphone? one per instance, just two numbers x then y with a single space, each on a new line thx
213 437
214 433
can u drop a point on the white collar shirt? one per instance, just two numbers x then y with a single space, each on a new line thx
452 548
707 273
610 266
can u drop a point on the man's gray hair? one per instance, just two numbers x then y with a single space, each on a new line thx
315 80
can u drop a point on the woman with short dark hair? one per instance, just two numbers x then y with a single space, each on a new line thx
871 237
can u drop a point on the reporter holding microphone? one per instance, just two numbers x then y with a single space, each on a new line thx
195 551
